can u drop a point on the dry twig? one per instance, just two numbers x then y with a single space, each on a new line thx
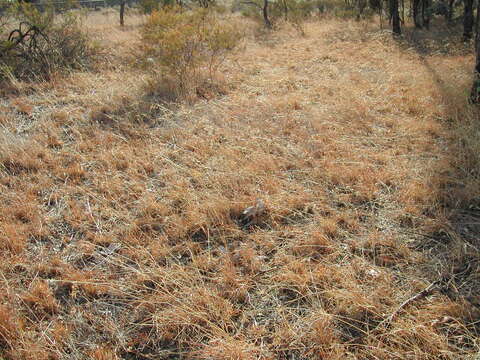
417 296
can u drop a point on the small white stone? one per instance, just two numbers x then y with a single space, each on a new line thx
373 273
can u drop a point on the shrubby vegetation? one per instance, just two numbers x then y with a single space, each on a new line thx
185 43
34 45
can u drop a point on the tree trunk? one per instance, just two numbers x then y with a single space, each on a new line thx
467 20
265 14
122 12
475 92
395 16
426 13
416 5
402 17
380 13
361 4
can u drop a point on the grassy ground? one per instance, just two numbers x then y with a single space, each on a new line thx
121 227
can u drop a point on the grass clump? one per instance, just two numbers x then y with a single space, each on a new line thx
185 43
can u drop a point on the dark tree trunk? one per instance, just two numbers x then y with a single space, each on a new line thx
475 92
265 14
416 6
395 16
122 12
467 20
426 13
423 11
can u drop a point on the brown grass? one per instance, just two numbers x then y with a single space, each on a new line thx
121 226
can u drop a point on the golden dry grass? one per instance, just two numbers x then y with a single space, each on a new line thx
121 229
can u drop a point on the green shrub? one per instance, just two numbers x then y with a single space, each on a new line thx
183 43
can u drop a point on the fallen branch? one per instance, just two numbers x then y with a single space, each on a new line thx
387 321
415 297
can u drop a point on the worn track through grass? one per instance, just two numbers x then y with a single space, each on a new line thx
121 232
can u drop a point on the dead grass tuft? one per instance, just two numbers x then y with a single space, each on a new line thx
10 328
40 298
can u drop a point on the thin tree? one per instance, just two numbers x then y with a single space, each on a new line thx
475 92
426 4
467 19
395 16
122 12
205 3
264 10
402 17
265 14
361 5
416 21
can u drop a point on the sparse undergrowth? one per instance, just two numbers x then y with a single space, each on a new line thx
122 231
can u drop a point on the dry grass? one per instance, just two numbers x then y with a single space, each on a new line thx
121 229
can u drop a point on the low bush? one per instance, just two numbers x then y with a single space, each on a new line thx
36 45
185 44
